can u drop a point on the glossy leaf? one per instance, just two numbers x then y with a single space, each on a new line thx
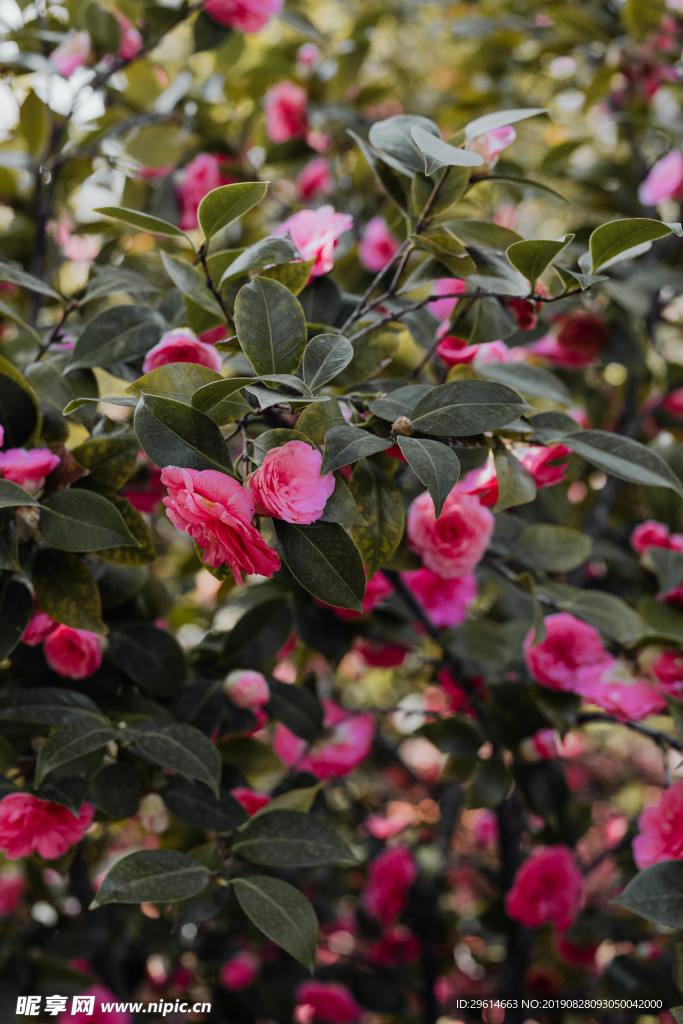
174 434
326 356
435 465
344 445
119 334
71 741
624 458
228 203
611 243
282 913
533 256
271 326
656 894
288 839
325 561
192 283
467 407
379 501
79 520
179 748
152 876
66 590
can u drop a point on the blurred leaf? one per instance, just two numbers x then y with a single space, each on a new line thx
152 876
529 380
195 804
15 275
282 913
499 119
656 894
16 609
150 657
296 708
438 154
119 334
12 495
143 222
552 548
624 458
19 409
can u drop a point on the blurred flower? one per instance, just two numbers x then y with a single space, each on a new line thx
390 876
613 686
546 888
327 1002
73 53
246 688
378 245
98 1014
39 627
245 15
664 181
250 799
181 346
315 233
346 742
445 601
661 829
28 825
12 889
490 146
314 180
569 645
286 106
240 970
201 176
74 653
131 42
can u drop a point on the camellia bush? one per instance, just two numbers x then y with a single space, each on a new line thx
341 540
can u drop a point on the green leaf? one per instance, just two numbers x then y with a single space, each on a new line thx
393 138
191 282
326 355
119 334
111 460
229 202
66 590
290 839
296 708
16 609
47 705
656 894
149 656
19 409
668 565
608 613
143 221
325 561
174 434
271 326
195 804
79 520
434 464
529 380
516 486
69 742
16 318
463 408
379 501
532 257
613 242
282 913
178 381
152 876
499 119
624 458
570 278
340 506
344 445
399 402
12 495
264 253
642 17
103 28
552 548
19 277
145 552
180 748
438 154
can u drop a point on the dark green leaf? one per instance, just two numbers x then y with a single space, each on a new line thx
399 402
267 252
271 326
46 705
16 609
143 221
434 464
145 552
79 520
152 876
281 913
552 548
296 708
180 748
530 380
466 407
66 590
178 381
194 803
379 501
622 239
326 355
624 458
191 282
19 277
119 334
69 742
516 486
19 408
174 434
290 839
111 460
325 561
656 894
340 506
229 202
12 495
150 656
532 257
344 445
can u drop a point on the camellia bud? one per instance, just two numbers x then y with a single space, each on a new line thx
247 689
402 426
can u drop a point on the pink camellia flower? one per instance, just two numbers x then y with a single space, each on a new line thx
543 462
665 180
667 668
377 589
661 829
286 106
131 42
245 15
30 825
28 467
390 876
378 245
182 346
454 350
397 947
542 746
546 888
454 543
200 176
250 799
38 629
308 55
98 1015
569 645
315 233
445 286
74 653
288 485
329 1002
247 689
651 534
217 511
314 180
240 970
73 53
12 889
490 146
489 352
346 742
612 686
445 601
482 482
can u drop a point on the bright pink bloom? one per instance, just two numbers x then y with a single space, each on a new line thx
542 746
664 181
27 467
649 534
390 876
490 146
397 947
569 645
200 176
455 350
612 686
377 589
346 742
445 601
673 403
247 689
250 799
74 653
546 888
288 485
667 668
661 829
245 15
240 970
330 1003
544 463
442 308
73 53
131 43
12 889
217 511
315 233
38 629
483 482
29 825
286 106
181 346
378 245
214 335
314 180
99 1016
454 543
379 655
489 352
